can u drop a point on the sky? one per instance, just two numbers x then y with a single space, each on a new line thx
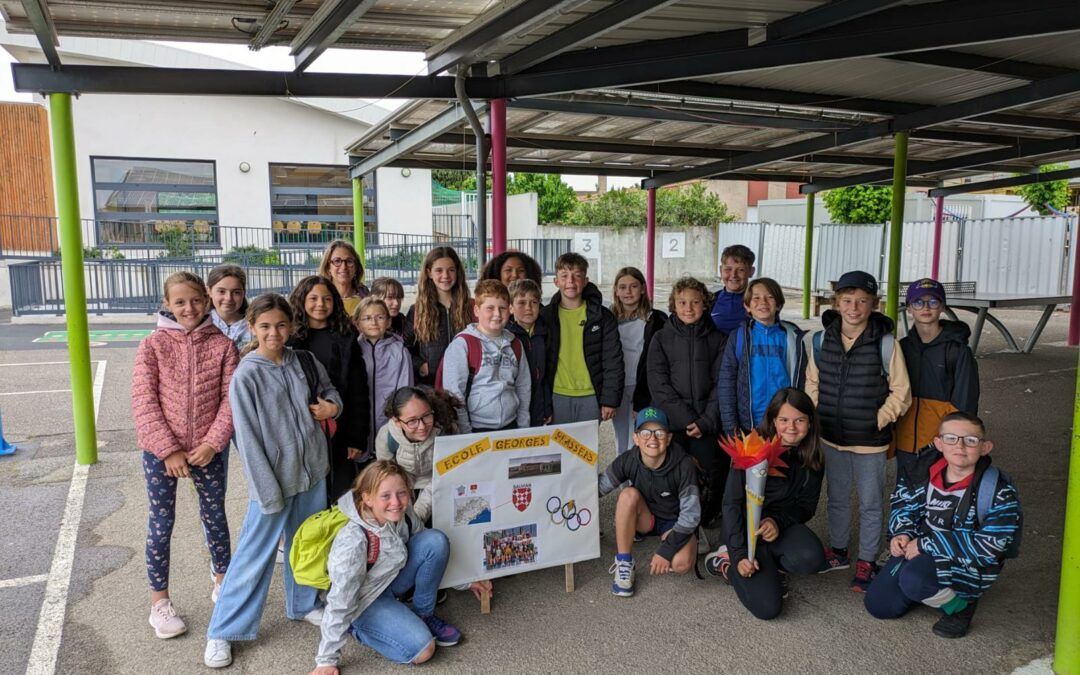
332 61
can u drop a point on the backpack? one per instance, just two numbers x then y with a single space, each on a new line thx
311 374
310 552
474 351
985 497
887 346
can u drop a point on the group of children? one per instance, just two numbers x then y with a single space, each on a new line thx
337 377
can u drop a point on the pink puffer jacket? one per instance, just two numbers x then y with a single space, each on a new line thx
180 389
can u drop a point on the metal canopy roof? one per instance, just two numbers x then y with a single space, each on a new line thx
667 89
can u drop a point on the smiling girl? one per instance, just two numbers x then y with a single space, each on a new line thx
228 292
442 310
638 322
179 397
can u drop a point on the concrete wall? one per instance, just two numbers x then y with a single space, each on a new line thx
620 248
403 203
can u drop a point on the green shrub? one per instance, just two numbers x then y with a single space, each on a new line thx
252 255
1054 193
859 204
686 206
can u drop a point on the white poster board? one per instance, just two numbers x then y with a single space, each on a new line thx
516 501
673 245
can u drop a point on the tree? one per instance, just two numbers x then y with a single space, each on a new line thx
859 204
462 180
685 206
554 198
1054 193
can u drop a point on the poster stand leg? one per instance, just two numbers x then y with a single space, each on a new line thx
485 603
569 571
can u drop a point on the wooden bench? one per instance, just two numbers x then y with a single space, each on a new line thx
952 288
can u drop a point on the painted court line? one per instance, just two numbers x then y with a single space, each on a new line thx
38 391
23 581
50 626
38 363
1026 375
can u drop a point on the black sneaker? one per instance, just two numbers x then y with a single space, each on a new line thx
718 564
955 625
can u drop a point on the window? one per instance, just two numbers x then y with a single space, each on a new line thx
313 204
155 202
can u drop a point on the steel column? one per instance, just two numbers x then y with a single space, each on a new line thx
650 241
896 231
71 251
358 220
939 212
1074 308
808 256
1067 644
498 175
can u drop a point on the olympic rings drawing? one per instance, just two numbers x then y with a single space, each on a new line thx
568 513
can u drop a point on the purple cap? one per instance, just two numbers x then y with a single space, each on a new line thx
924 287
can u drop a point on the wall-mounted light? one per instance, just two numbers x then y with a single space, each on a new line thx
244 167
406 172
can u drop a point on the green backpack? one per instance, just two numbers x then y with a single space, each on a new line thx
310 552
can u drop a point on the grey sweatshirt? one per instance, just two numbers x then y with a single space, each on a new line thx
282 446
415 458
501 388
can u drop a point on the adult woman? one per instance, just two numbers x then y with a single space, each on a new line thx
342 265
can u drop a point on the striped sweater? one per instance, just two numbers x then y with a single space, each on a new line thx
968 555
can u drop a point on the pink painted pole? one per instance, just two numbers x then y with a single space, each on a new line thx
1074 309
939 212
498 175
650 240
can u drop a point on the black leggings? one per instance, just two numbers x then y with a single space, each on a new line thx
714 464
797 550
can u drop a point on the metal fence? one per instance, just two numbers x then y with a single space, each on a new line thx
544 251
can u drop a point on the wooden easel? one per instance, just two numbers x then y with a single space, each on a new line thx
568 573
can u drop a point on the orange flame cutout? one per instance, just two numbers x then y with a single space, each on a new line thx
748 450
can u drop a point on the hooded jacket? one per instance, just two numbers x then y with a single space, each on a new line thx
728 311
353 587
736 386
603 349
536 346
340 354
790 499
642 396
501 387
389 367
944 378
670 491
430 353
282 446
684 363
415 458
239 332
180 388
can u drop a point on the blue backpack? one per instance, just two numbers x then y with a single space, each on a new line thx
984 497
887 345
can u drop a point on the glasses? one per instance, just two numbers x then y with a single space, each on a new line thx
932 303
953 439
338 262
425 419
658 434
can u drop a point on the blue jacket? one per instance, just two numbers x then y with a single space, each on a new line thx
734 387
728 311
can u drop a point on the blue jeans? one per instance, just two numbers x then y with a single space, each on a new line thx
243 592
900 584
387 625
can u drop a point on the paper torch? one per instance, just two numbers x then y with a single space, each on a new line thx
759 458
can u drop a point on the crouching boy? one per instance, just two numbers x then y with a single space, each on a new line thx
662 499
955 518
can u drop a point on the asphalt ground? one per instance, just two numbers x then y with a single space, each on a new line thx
671 624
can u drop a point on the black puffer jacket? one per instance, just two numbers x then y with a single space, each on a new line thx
642 395
603 348
536 346
683 364
852 385
430 353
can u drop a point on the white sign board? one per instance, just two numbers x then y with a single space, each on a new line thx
516 501
587 244
673 245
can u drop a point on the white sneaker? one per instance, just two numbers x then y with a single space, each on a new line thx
314 617
165 621
216 593
702 542
623 583
218 654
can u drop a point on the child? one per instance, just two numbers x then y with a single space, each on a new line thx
584 367
389 365
683 365
285 459
509 266
638 322
364 601
391 292
944 374
662 500
442 310
179 397
859 383
341 263
416 417
954 520
322 328
228 292
736 268
786 545
497 388
529 327
762 356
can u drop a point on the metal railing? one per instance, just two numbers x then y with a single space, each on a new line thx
544 251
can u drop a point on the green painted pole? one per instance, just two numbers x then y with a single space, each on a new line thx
358 219
896 232
1067 643
71 255
808 256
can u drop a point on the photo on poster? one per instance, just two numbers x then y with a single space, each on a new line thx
535 465
510 547
472 503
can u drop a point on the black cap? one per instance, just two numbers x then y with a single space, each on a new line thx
857 279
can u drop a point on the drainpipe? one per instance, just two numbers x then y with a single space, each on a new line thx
481 171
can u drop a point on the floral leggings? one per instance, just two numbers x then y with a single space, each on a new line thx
161 491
